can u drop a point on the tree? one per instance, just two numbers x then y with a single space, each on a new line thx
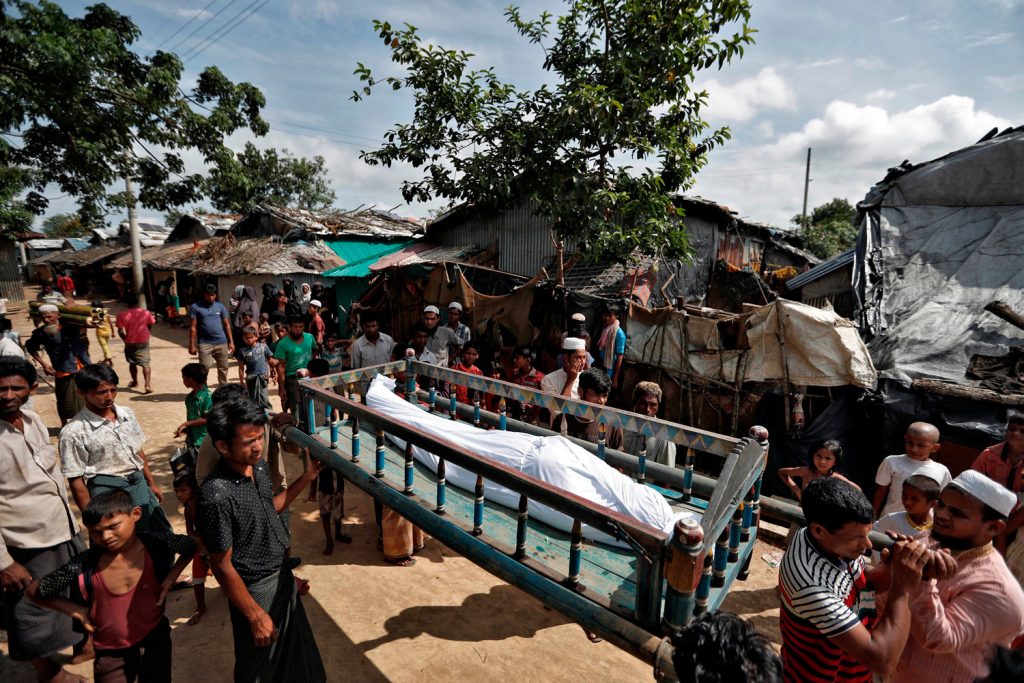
830 228
85 111
239 182
16 215
601 148
65 225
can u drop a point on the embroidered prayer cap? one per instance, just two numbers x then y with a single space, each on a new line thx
456 305
48 308
991 493
315 302
432 309
573 344
579 317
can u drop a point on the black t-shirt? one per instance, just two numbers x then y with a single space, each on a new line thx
237 512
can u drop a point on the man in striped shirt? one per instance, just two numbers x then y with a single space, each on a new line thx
824 636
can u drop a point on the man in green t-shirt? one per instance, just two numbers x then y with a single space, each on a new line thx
293 353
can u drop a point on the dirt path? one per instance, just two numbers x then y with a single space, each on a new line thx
443 619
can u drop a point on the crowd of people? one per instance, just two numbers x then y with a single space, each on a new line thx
944 600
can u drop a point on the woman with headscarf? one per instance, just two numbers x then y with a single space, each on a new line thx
305 296
246 303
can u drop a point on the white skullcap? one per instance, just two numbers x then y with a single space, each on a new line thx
995 495
456 305
48 308
574 344
315 302
432 309
579 317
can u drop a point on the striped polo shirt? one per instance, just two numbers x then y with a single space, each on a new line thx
819 602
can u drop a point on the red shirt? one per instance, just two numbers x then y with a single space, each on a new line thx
123 620
993 465
135 322
461 392
316 328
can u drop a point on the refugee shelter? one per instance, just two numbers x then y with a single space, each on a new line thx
938 242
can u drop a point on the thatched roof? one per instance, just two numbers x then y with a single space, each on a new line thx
266 220
265 256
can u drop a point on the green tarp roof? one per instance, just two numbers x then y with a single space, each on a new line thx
360 254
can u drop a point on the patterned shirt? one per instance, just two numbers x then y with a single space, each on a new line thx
34 510
237 512
91 445
819 601
524 410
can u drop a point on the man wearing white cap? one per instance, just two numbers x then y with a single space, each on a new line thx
67 351
956 623
565 380
316 325
440 338
456 325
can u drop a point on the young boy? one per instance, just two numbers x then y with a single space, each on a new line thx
333 353
265 328
919 494
187 490
118 588
921 442
253 369
467 364
197 404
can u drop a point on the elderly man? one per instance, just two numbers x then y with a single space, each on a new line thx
66 347
647 401
38 531
957 623
441 339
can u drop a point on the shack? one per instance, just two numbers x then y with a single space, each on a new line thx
938 242
829 283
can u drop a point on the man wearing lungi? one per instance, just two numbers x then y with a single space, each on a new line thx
38 532
67 351
239 519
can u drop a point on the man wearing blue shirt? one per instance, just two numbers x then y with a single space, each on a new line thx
210 333
611 347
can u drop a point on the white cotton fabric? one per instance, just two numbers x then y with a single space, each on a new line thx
552 459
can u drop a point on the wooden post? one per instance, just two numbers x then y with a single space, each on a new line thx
521 524
780 334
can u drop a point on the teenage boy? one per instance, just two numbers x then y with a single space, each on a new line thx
824 635
118 588
209 334
525 374
316 325
595 386
921 442
611 346
38 530
239 520
293 353
101 449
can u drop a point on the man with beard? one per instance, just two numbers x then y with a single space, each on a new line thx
67 351
956 623
441 339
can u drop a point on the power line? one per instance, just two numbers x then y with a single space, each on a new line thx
181 8
188 23
239 19
324 130
202 26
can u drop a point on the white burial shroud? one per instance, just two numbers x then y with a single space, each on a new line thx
552 459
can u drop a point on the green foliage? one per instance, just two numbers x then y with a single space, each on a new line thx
601 148
830 229
238 182
65 225
84 110
16 215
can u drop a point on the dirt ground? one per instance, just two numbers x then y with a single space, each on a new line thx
442 619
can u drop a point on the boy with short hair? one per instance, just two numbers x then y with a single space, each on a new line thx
333 353
253 369
186 488
920 492
921 442
118 589
265 328
467 363
594 387
197 404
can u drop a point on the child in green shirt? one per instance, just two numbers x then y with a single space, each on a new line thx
197 404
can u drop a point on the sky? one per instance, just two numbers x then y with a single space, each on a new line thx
865 85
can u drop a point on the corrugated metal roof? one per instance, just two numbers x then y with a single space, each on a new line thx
77 243
46 244
821 270
358 255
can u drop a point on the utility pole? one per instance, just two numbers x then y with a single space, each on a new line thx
136 243
807 182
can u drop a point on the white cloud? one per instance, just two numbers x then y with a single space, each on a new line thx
898 20
190 13
880 94
852 148
977 40
869 63
824 62
743 100
321 10
1007 83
